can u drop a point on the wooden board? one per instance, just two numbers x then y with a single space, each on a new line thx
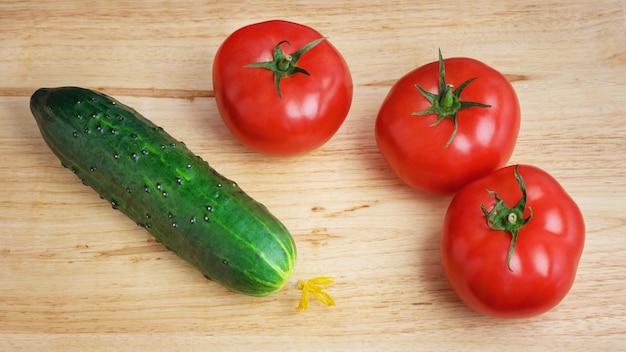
76 275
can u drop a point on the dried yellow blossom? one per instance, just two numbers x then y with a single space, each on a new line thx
316 287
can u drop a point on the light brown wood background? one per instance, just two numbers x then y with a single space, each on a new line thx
76 275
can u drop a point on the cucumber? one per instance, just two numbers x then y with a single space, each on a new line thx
200 215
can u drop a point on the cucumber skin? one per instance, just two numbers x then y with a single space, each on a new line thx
161 185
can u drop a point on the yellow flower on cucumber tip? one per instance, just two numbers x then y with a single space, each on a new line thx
316 287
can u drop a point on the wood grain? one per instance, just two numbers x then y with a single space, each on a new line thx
76 275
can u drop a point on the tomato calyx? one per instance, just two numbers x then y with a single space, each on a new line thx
283 65
503 218
447 103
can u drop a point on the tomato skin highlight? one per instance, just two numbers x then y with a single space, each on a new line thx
546 256
485 140
311 107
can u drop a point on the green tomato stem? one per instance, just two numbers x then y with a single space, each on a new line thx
447 103
283 65
503 218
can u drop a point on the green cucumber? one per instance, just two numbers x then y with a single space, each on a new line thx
162 186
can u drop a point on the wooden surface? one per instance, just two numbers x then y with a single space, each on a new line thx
76 275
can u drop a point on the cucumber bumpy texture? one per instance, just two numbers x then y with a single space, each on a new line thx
161 185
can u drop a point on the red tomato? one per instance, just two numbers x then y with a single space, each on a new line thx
412 136
512 266
279 90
